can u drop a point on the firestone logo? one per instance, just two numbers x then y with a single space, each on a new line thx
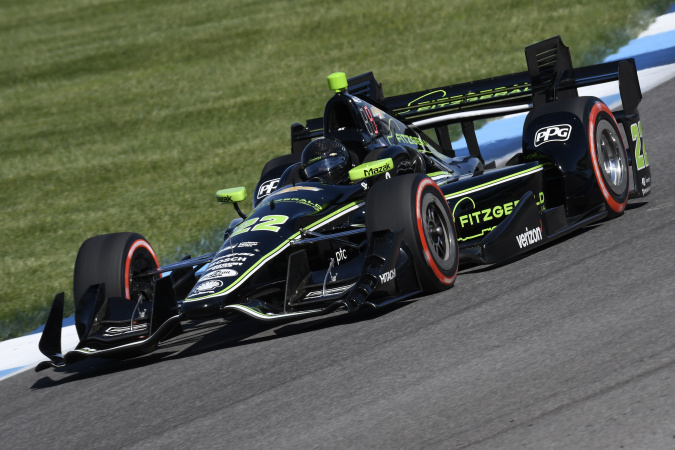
554 133
219 274
207 286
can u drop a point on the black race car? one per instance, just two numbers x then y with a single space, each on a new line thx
372 206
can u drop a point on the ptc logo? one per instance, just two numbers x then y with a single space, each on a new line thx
341 255
554 133
267 187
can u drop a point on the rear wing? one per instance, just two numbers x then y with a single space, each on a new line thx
549 77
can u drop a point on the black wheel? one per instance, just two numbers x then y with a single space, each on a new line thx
609 158
114 259
416 204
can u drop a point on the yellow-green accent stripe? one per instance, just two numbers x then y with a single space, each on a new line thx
495 182
276 250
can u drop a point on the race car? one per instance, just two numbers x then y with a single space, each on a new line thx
372 206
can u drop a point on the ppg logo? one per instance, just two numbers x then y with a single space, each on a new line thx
554 133
267 187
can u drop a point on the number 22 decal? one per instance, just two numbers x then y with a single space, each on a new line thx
267 223
640 151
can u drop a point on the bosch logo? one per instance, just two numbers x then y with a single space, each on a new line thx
267 187
554 133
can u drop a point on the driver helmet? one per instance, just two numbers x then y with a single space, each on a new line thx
326 161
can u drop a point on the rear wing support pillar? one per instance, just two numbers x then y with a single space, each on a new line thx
469 131
443 136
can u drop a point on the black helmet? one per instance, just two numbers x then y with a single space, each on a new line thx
326 160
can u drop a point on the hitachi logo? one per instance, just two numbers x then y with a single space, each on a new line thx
388 276
529 237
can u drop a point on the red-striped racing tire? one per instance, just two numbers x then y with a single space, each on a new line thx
415 203
113 259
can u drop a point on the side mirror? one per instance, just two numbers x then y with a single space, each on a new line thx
370 169
233 195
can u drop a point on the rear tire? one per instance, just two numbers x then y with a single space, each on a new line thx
609 158
416 204
113 259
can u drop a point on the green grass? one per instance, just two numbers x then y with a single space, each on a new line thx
128 115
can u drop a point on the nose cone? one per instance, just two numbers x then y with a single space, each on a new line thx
207 307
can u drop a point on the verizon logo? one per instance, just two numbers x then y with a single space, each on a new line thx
529 237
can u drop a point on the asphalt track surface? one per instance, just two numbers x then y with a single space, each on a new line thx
572 346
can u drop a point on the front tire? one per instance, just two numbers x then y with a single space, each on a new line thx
114 260
416 204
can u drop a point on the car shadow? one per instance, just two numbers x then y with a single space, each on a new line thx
95 367
208 336
469 268
635 205
240 330
465 269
